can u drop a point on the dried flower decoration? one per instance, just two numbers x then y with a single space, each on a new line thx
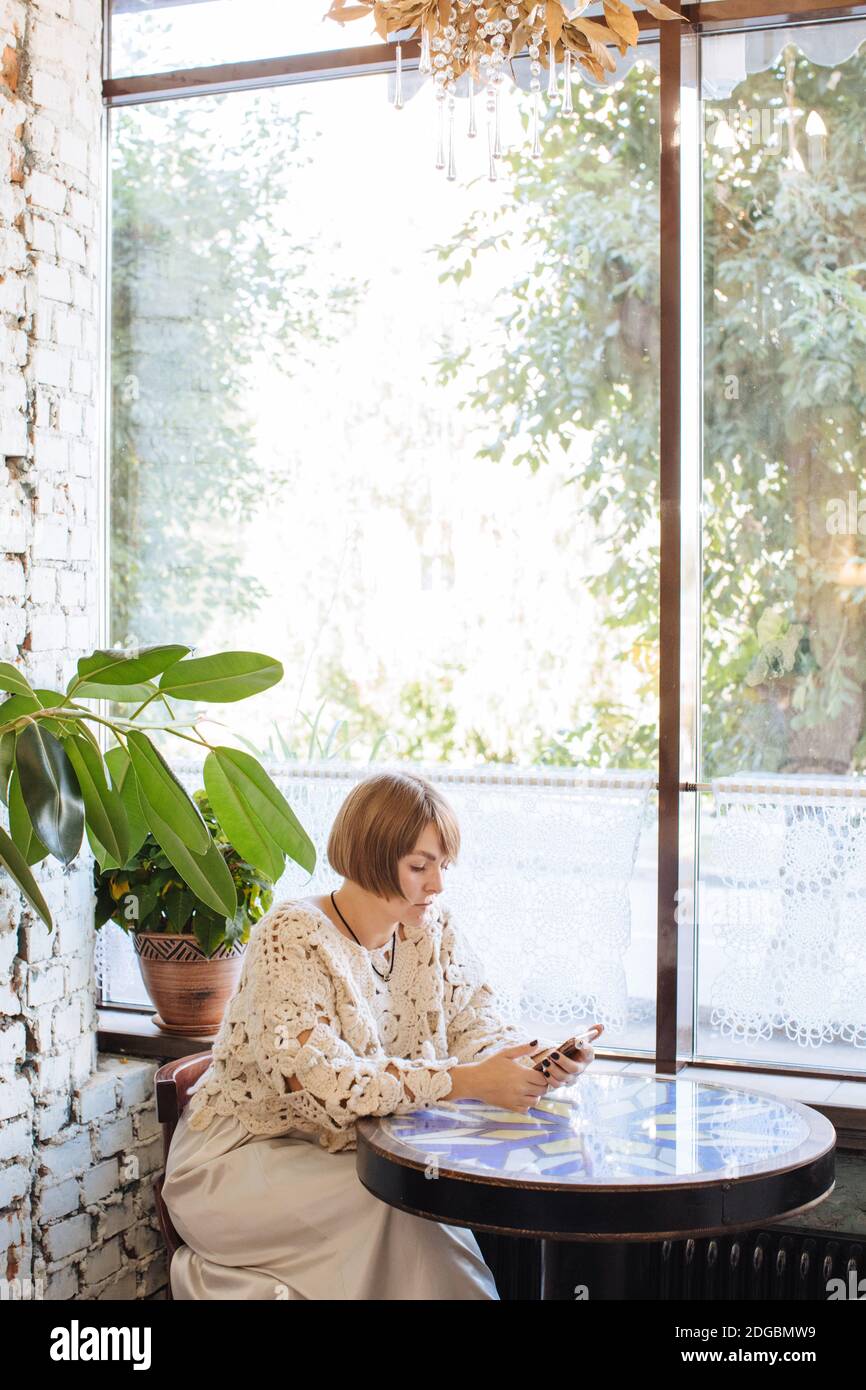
479 37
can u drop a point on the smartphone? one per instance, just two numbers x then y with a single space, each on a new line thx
572 1046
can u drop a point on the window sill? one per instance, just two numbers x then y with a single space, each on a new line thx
133 1033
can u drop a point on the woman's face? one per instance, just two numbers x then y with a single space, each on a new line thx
421 876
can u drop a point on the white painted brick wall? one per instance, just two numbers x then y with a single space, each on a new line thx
78 1136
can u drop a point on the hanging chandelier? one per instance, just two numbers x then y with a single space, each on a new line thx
478 38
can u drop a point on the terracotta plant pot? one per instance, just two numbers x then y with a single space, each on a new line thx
190 990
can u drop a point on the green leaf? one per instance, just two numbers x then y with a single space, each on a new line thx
120 694
105 861
237 928
771 625
165 795
37 700
7 763
16 866
17 705
267 803
209 931
12 679
103 807
49 699
51 791
150 906
206 874
20 825
122 668
105 906
123 780
243 827
177 907
221 678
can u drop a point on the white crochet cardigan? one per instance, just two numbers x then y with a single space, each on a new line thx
435 1012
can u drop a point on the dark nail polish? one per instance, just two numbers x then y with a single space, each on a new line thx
554 1055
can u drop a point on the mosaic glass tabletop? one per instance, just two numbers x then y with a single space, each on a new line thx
612 1127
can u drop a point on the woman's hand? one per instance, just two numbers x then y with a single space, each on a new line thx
559 1069
502 1079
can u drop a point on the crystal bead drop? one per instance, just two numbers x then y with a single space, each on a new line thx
552 90
398 80
425 66
567 102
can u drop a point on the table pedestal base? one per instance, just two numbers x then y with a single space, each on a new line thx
528 1269
574 1270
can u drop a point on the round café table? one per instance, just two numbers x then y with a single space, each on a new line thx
612 1157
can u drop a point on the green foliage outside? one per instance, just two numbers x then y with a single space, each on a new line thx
203 270
570 365
784 375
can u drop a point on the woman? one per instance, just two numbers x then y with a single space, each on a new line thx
364 1002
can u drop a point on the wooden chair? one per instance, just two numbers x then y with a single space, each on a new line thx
173 1084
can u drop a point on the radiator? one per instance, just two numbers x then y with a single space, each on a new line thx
779 1264
784 1264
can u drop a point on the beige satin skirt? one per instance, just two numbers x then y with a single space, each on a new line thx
281 1218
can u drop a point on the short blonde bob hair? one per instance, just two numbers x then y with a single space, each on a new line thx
380 821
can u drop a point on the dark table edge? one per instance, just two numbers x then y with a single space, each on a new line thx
654 1211
606 1237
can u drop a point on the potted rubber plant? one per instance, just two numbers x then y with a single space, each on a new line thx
189 954
58 783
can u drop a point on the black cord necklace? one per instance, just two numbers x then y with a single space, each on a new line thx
360 943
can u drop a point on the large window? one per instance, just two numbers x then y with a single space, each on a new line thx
403 434
381 429
376 443
782 958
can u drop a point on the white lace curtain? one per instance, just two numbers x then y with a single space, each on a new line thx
792 861
543 889
542 884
